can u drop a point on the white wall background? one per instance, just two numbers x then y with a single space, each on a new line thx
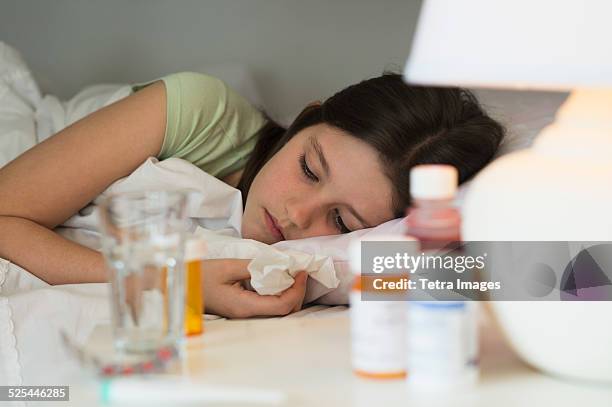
297 50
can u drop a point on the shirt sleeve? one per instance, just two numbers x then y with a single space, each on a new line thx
207 123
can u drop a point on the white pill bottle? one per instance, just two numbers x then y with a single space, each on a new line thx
442 344
442 336
378 325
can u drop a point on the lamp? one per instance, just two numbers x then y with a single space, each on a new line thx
561 187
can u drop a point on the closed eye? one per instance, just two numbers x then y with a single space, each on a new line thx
306 170
338 222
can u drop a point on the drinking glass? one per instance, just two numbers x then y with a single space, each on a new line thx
143 243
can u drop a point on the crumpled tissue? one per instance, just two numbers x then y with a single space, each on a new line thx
272 270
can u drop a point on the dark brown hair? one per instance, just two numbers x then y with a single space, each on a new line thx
407 125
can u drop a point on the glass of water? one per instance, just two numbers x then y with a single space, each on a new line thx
143 243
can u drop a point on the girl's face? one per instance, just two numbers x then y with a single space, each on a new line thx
322 182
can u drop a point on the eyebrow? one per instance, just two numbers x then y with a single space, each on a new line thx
314 143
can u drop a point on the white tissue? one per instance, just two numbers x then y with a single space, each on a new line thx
272 270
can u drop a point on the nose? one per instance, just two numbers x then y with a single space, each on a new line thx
302 211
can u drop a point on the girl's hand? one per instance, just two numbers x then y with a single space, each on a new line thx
225 295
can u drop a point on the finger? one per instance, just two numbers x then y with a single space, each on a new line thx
282 304
300 279
297 290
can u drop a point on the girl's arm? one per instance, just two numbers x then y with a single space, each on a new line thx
53 180
50 182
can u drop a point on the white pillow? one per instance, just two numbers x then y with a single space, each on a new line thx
524 113
19 95
337 247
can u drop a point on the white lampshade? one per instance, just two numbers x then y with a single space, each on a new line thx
561 188
543 44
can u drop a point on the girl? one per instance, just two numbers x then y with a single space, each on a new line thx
342 165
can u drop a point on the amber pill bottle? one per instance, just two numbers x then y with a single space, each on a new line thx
195 250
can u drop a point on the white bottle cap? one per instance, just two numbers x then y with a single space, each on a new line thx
355 248
433 181
195 249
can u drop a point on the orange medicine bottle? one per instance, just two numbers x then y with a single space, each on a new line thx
195 250
378 325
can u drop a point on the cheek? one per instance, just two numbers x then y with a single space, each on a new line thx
276 179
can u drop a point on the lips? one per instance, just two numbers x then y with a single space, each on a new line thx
273 226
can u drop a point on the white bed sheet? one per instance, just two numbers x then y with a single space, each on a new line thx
31 349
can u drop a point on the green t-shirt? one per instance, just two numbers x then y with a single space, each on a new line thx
207 123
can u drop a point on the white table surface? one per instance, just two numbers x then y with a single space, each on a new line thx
309 360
